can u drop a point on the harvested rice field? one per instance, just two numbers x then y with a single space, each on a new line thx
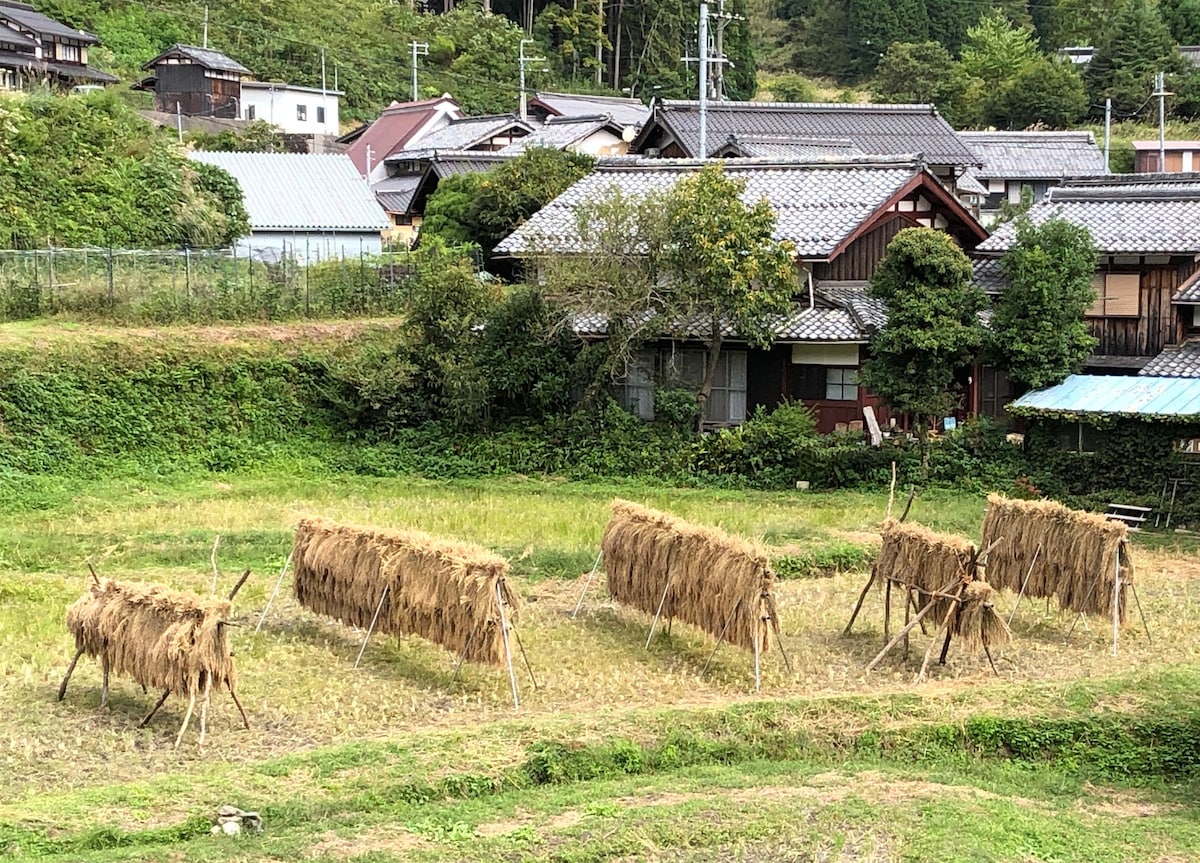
622 751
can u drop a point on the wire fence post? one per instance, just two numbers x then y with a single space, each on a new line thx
112 298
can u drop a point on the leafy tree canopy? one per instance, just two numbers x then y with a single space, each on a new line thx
1038 332
995 48
1044 93
921 72
482 209
87 170
933 326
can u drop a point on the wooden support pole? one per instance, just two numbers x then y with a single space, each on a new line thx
658 613
512 675
1024 583
213 560
920 615
586 585
1116 600
245 719
104 674
92 570
62 688
153 710
887 608
721 638
462 657
929 650
757 660
238 586
1137 599
371 628
908 603
525 656
271 599
187 717
858 605
204 709
771 610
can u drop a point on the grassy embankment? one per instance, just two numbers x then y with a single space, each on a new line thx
623 752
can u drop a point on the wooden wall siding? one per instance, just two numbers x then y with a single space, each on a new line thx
1158 324
859 260
226 97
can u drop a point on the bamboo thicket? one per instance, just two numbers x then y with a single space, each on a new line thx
717 582
446 592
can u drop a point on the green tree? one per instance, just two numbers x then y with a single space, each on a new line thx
876 24
920 72
932 328
1182 18
1136 47
724 265
1044 92
1038 332
485 208
791 87
995 49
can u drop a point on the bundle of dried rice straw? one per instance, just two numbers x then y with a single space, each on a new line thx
1064 553
447 592
720 583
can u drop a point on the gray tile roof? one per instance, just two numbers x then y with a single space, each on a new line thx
1035 155
624 111
784 147
395 194
878 129
1175 361
988 276
1189 291
26 16
816 206
463 134
449 164
206 57
869 313
802 324
9 36
301 192
558 133
966 183
1134 214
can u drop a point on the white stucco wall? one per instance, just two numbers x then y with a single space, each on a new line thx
277 104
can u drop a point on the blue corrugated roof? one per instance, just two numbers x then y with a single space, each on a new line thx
1103 394
301 192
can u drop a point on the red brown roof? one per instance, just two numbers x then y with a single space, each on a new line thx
394 128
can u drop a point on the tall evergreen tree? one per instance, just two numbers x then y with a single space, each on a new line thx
1137 45
1182 18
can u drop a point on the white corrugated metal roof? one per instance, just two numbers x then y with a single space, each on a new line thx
301 192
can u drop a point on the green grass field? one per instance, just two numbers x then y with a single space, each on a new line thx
623 752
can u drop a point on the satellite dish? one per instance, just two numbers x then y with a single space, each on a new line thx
628 134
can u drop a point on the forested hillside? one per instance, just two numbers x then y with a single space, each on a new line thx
472 56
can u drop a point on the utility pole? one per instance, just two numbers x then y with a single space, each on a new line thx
1107 133
205 27
421 48
1160 90
717 79
702 59
522 63
324 98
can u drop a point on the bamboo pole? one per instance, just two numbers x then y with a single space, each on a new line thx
512 676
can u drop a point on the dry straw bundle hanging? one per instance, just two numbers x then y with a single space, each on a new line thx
931 563
720 583
946 573
1057 551
161 638
446 592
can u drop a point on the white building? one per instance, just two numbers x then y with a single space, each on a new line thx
293 110
303 206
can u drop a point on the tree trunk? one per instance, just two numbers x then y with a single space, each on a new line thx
710 373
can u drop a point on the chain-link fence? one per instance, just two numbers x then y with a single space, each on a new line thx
161 286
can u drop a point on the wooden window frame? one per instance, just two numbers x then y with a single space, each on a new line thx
1104 284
